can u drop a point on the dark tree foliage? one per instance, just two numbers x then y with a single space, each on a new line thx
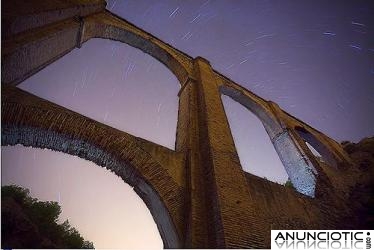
288 184
29 223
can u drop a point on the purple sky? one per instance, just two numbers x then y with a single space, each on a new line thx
314 58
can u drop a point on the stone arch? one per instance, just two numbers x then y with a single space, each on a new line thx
324 151
301 172
107 25
113 91
24 57
253 145
37 138
254 104
33 122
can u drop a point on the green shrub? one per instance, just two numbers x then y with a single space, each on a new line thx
29 223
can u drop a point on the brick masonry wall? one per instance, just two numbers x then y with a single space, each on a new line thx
32 121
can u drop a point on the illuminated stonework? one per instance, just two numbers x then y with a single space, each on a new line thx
198 194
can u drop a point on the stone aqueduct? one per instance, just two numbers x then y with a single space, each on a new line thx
198 193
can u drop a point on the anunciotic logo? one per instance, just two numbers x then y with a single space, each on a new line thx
322 239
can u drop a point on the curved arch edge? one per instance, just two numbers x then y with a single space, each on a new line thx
44 139
301 172
254 104
107 25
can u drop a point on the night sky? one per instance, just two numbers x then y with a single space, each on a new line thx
314 58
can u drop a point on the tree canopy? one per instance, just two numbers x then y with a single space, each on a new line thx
29 223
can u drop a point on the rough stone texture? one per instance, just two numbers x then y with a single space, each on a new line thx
198 194
107 25
32 121
36 33
23 15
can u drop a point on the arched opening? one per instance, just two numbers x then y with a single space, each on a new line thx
103 208
256 152
123 167
319 150
314 151
301 173
115 84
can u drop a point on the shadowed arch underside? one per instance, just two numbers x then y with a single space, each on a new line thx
31 121
301 173
59 36
109 26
